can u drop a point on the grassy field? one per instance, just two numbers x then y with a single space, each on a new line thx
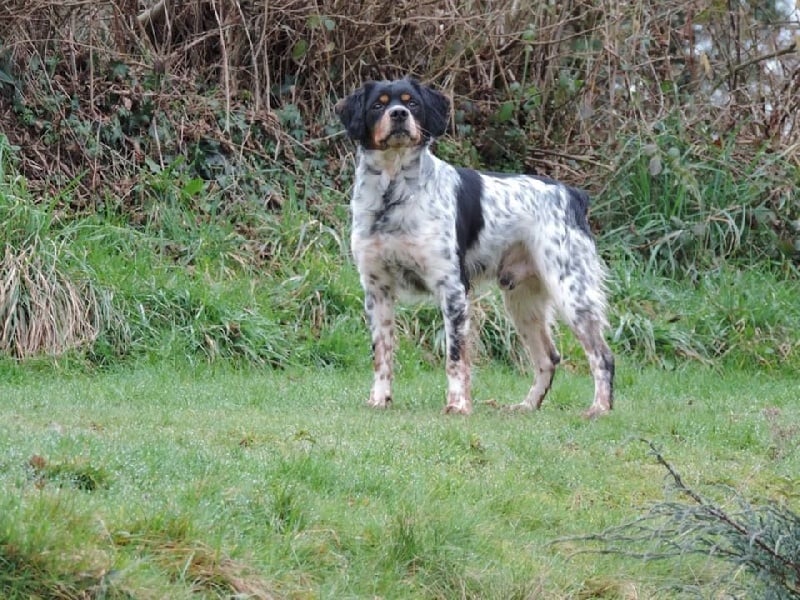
172 482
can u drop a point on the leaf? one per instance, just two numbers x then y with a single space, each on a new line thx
315 21
299 49
655 165
506 112
6 78
193 186
119 70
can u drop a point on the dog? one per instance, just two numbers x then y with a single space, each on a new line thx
421 225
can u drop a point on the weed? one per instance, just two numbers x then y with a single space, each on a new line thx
287 510
77 473
50 301
202 569
694 212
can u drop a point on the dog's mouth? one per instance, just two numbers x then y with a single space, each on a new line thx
399 137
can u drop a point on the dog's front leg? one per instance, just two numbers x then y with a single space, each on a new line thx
456 327
379 306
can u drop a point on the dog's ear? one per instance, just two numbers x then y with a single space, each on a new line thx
437 111
352 110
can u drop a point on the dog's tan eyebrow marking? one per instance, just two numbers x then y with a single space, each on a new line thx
384 98
405 97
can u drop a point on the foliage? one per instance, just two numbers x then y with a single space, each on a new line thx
686 211
179 186
536 87
189 277
49 299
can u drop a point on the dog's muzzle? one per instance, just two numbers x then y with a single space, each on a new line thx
402 129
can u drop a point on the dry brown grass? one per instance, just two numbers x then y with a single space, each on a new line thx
206 570
580 75
43 311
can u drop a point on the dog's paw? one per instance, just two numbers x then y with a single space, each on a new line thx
596 410
454 409
458 406
519 407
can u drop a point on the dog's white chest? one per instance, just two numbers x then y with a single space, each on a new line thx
402 259
403 233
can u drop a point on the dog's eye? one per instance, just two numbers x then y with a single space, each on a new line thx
377 106
411 104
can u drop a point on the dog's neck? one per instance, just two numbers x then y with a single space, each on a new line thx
392 163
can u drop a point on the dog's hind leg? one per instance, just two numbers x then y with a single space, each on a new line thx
530 308
582 303
601 362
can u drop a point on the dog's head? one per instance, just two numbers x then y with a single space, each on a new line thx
394 114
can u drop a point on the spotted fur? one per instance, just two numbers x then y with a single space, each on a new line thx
421 225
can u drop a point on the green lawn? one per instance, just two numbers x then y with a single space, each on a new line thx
160 482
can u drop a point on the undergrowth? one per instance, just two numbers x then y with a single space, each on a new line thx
684 209
166 193
188 277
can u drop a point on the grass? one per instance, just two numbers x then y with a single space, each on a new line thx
157 481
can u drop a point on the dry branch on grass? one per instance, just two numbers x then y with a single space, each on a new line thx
763 541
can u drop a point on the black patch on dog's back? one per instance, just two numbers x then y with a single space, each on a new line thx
469 215
578 210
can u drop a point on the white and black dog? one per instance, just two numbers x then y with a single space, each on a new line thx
423 225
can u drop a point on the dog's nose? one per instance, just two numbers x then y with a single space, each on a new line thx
399 113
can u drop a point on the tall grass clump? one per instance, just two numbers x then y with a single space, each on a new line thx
44 553
253 286
181 276
687 207
702 244
63 555
49 299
